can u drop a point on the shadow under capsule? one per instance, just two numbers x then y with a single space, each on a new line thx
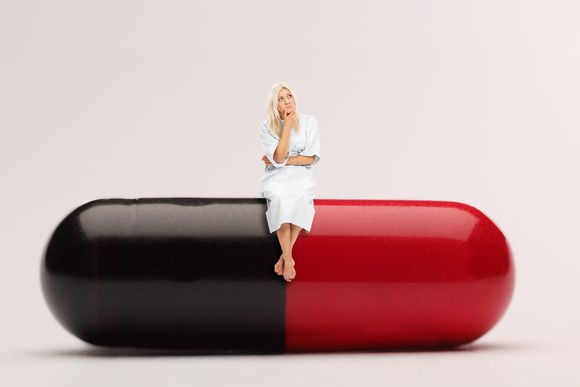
130 352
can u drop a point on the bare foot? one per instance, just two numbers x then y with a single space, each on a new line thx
289 272
279 266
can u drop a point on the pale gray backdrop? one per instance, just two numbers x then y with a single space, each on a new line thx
469 101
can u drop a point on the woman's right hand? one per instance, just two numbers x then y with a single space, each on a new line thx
289 119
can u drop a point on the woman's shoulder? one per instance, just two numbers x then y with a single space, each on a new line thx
264 127
307 117
309 122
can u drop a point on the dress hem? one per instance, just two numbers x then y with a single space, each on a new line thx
306 229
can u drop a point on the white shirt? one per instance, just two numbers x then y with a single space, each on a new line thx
304 143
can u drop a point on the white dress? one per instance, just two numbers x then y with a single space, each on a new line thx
289 189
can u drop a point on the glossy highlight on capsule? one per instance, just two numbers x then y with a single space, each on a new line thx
196 273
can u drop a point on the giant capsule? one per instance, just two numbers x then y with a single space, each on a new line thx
198 273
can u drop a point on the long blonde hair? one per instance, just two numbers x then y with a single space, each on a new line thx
273 115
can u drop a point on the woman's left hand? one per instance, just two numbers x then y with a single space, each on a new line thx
266 160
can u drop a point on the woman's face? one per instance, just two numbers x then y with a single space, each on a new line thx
285 102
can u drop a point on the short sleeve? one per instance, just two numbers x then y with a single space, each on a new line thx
269 144
312 147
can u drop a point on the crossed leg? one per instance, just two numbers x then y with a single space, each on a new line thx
287 236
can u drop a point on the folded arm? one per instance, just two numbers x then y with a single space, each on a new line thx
300 160
293 160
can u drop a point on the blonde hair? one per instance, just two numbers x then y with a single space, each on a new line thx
273 115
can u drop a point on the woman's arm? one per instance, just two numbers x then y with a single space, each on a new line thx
300 160
293 160
282 148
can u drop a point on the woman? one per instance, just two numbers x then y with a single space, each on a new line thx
292 146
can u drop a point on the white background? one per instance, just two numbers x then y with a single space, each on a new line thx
469 101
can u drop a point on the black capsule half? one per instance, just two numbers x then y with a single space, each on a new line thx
167 273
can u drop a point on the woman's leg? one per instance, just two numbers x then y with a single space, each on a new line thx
284 239
294 233
286 244
283 235
288 264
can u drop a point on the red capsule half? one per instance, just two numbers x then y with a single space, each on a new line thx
378 274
